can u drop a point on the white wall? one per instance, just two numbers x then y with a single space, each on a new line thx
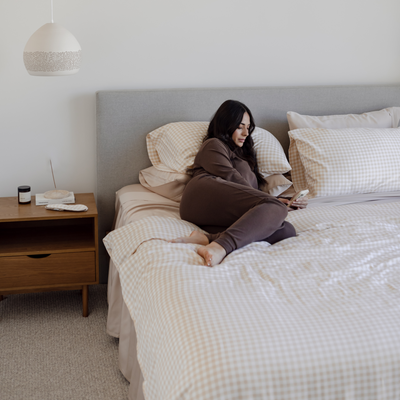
132 44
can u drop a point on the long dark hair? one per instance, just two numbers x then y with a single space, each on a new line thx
224 123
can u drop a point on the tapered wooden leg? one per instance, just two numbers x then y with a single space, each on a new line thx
85 298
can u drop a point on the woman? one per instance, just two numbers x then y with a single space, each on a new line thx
223 197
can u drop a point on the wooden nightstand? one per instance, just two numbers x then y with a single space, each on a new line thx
43 250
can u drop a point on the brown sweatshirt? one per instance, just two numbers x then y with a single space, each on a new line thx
216 158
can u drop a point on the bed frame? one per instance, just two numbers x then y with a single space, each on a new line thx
123 118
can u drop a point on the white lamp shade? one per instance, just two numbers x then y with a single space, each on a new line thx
52 51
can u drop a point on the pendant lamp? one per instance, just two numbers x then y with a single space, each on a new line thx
52 51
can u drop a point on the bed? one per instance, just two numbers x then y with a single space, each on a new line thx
312 317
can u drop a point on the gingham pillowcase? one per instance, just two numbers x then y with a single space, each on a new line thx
173 148
271 158
346 161
386 118
298 174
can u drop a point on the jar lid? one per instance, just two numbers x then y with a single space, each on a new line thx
24 188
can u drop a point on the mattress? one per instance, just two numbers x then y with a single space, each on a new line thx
132 203
327 302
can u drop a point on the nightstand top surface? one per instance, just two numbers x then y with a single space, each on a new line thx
11 210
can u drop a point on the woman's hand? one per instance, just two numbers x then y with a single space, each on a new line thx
297 204
300 203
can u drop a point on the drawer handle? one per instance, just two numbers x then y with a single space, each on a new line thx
39 255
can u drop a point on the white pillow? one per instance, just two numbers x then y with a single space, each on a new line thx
386 118
276 184
153 177
167 184
346 161
173 147
271 158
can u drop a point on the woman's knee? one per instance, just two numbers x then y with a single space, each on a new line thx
286 231
289 230
277 208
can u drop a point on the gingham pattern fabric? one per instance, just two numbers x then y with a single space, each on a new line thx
346 161
313 317
173 148
386 118
67 207
298 174
271 158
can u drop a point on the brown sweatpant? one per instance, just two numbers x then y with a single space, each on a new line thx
234 215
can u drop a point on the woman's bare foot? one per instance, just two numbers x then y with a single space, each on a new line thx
195 237
213 254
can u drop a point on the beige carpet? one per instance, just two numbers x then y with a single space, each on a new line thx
49 351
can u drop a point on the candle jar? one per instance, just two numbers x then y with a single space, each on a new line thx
24 194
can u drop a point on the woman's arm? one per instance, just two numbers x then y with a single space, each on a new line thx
214 157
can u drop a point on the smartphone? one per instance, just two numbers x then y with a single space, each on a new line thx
298 195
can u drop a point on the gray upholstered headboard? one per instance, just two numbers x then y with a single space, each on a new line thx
124 118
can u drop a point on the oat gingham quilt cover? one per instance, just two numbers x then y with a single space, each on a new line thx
316 316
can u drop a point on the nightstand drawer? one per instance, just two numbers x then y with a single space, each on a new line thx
60 268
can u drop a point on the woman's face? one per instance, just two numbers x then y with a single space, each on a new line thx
241 133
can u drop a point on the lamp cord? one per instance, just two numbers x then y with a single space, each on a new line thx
52 20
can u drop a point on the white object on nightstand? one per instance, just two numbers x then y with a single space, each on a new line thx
42 201
66 207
